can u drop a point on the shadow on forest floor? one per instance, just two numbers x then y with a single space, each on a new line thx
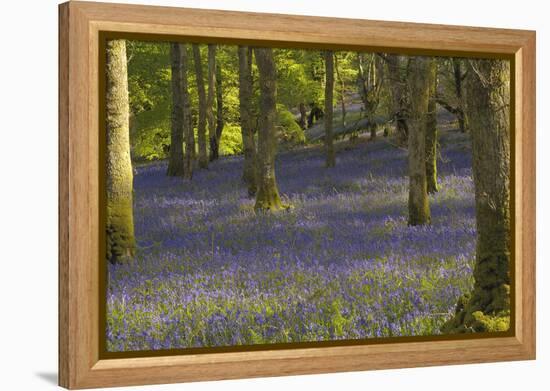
341 264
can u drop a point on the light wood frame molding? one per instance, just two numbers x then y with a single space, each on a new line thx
79 25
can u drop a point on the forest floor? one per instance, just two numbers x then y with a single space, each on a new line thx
342 263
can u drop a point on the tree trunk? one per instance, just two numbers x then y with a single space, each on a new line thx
190 141
372 127
203 153
267 197
342 90
369 89
303 116
175 161
188 133
219 109
210 100
420 82
431 134
487 98
329 89
314 114
373 104
399 101
247 118
457 71
120 221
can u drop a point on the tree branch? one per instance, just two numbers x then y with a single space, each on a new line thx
453 110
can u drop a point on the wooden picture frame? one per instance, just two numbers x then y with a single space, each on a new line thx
80 25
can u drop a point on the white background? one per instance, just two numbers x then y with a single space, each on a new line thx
28 194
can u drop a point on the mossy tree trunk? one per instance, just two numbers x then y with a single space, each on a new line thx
190 142
175 160
458 78
201 126
267 197
330 160
210 119
247 118
188 132
431 134
219 109
397 76
120 221
419 83
487 98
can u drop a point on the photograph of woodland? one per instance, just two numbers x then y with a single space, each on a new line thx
273 195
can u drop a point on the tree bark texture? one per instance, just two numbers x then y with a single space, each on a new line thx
458 76
419 84
431 134
267 197
247 118
399 97
188 132
203 152
175 159
120 221
329 96
210 119
219 110
487 98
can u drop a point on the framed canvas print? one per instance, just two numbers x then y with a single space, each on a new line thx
247 195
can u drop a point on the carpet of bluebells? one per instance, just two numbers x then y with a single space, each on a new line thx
340 264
